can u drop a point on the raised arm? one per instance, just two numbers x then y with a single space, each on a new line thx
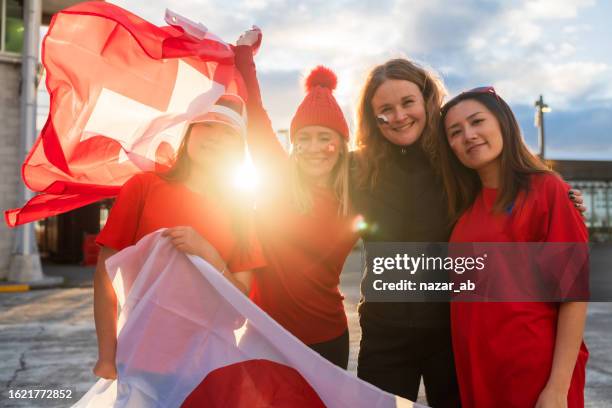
267 152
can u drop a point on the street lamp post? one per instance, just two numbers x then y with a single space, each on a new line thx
541 107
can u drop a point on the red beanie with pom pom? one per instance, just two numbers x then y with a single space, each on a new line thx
319 107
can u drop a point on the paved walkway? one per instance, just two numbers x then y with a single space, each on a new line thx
47 340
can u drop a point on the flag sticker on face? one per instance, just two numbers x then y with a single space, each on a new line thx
329 148
121 91
382 120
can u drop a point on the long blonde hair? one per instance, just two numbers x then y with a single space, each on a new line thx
339 182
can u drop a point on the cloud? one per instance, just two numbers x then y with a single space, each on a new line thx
563 84
281 94
570 133
527 50
554 9
524 48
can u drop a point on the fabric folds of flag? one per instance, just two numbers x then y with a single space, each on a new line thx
121 90
187 337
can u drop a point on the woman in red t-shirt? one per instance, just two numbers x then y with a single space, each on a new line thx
303 217
510 354
193 200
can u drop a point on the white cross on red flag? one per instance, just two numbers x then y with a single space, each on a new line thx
121 90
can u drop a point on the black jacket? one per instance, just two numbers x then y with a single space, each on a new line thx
406 205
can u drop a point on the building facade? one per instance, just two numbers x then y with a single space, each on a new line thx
594 179
11 43
11 40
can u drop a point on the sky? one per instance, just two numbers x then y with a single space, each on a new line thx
524 48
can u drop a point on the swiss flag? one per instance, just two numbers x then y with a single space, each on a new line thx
187 337
121 90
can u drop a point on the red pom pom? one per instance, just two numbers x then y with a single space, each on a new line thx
321 76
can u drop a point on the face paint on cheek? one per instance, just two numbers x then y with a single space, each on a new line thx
331 148
382 120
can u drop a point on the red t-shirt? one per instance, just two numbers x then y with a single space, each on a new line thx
504 350
147 203
305 254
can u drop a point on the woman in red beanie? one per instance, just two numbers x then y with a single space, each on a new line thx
201 211
303 216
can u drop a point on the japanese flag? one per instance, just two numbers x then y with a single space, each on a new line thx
187 337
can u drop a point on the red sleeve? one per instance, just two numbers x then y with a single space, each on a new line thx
249 258
267 152
565 223
122 224
567 265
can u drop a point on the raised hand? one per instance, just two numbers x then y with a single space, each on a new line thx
249 37
576 196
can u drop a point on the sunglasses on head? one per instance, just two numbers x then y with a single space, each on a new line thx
481 89
478 90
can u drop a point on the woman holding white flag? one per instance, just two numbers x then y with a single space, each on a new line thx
193 199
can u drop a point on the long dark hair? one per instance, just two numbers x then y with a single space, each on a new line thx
517 163
372 145
240 207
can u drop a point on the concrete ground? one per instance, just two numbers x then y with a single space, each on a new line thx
47 339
